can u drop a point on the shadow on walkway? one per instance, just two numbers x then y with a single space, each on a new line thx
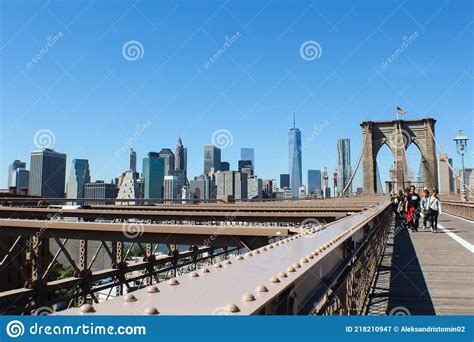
400 287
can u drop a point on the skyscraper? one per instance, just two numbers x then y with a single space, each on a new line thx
17 164
78 177
171 188
130 187
100 189
212 158
314 182
224 166
248 153
284 180
254 187
294 144
344 164
133 160
168 158
47 174
246 164
325 183
18 176
153 175
180 156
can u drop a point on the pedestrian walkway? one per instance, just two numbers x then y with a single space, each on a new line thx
423 273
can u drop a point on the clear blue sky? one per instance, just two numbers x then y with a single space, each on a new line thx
91 98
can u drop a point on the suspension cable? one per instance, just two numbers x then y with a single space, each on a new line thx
357 165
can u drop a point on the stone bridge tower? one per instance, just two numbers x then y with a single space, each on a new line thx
398 135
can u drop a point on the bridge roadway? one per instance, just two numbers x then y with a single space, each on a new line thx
257 282
426 274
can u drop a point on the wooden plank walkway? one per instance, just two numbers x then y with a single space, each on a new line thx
423 273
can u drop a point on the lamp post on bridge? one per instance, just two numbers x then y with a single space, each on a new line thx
461 146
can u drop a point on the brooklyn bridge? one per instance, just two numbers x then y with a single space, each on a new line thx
350 255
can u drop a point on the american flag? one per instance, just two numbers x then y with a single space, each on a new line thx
401 111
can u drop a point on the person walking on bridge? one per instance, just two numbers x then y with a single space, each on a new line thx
433 210
413 209
425 195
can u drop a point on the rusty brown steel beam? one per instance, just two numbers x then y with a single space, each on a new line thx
201 216
156 233
277 278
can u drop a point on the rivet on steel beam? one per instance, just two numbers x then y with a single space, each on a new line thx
232 308
130 298
271 246
296 265
274 280
152 289
261 288
227 262
248 297
321 250
173 282
194 275
264 249
239 257
309 256
150 310
218 265
303 260
205 270
282 275
291 269
314 253
256 251
86 308
248 254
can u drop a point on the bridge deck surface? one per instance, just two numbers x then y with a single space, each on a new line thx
424 273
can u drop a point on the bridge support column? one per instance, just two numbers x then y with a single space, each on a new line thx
369 160
430 166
